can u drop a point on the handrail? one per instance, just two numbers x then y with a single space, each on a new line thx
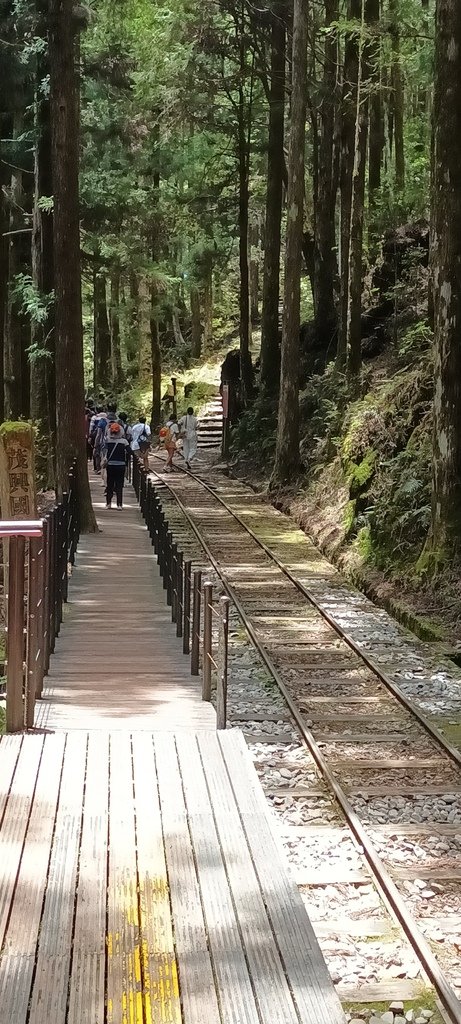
39 553
21 528
191 602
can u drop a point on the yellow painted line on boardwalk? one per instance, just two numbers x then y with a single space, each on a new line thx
149 971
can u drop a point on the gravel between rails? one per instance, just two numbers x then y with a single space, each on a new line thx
316 663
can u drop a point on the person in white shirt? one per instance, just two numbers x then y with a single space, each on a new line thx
140 440
188 430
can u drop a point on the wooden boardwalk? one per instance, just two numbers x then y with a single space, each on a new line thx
141 883
118 663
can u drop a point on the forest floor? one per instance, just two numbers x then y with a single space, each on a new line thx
364 492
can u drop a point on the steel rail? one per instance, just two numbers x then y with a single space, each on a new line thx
434 732
382 878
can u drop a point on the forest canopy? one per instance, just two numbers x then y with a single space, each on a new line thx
281 178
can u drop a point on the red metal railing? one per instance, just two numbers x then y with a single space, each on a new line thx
37 556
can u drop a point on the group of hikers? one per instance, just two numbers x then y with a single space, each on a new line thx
112 441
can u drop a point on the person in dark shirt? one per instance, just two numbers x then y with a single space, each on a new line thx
115 445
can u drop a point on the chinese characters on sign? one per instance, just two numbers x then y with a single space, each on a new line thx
17 472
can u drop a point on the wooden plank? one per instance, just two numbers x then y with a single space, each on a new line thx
124 975
266 969
296 791
306 971
367 737
423 828
234 983
430 871
198 993
49 997
368 927
159 968
315 877
404 789
380 991
268 737
10 747
26 907
86 993
15 822
381 765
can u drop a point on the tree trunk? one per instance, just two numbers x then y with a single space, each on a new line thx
14 325
177 332
102 368
354 308
254 273
207 303
444 543
270 345
287 449
325 265
376 143
115 350
70 393
42 365
244 196
156 357
133 337
398 97
4 220
196 346
349 107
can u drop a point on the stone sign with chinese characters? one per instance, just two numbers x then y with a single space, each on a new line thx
17 471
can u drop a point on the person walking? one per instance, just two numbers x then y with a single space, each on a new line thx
171 441
115 445
97 436
188 432
140 440
123 420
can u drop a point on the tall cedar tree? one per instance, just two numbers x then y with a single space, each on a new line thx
376 143
244 150
354 289
444 543
42 378
348 125
101 332
287 450
270 344
64 98
325 265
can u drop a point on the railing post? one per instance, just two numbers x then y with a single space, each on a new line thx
156 521
64 552
186 605
53 574
221 688
174 582
150 510
46 594
179 592
15 634
33 634
161 546
167 579
40 668
207 640
196 603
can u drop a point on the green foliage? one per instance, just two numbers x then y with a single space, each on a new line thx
255 433
33 304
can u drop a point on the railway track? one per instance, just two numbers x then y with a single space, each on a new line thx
366 788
